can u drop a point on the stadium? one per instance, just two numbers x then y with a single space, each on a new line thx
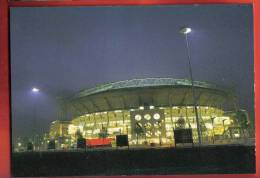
148 111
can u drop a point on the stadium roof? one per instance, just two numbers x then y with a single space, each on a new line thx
159 92
141 83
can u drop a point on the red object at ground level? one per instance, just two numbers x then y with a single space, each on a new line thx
98 142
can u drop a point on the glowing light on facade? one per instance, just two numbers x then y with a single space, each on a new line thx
151 107
141 107
147 116
138 117
208 126
156 116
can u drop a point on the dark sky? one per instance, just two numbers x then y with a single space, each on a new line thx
63 50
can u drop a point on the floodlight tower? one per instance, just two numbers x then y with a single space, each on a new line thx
35 91
185 31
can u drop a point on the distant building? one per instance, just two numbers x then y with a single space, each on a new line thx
59 133
59 129
19 144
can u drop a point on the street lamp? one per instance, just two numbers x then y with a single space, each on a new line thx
185 31
34 91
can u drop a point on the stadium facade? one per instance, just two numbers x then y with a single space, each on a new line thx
148 111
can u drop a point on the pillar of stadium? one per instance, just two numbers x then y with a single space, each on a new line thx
182 31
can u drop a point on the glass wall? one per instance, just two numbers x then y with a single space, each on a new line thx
152 126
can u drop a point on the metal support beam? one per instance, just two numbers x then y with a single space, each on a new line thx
85 106
140 101
107 119
184 98
192 82
108 104
94 105
75 109
170 104
123 112
123 101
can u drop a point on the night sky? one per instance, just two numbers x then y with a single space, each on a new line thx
64 50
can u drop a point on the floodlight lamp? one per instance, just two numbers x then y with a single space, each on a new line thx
185 30
35 90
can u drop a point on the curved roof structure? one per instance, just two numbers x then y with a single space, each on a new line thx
159 92
141 83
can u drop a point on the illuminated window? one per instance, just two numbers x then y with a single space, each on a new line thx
158 133
237 135
169 134
148 134
141 107
157 125
209 125
89 131
151 107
